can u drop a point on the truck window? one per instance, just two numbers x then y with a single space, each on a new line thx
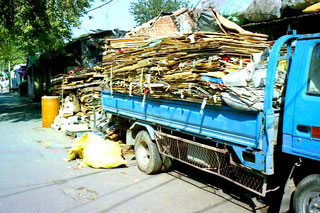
314 72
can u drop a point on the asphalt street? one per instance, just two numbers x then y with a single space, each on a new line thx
35 176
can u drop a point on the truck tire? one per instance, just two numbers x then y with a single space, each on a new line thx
147 155
307 195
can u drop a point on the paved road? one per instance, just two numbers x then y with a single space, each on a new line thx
36 178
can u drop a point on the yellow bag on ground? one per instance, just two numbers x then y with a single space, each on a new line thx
96 152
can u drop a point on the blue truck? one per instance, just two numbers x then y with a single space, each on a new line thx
262 151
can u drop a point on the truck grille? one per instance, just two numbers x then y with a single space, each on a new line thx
209 159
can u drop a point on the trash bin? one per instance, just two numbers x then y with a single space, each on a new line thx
50 109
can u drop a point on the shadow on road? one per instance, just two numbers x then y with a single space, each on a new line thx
34 187
246 201
14 109
218 186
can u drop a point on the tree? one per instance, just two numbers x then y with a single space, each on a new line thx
37 26
145 10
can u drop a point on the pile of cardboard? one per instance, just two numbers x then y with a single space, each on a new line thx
82 86
189 67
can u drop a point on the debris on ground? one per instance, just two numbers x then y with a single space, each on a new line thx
81 194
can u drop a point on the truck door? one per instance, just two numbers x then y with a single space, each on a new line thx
306 113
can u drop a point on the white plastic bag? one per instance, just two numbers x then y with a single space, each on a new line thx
259 76
263 10
236 103
239 78
230 9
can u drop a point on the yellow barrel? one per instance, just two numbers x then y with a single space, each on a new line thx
50 109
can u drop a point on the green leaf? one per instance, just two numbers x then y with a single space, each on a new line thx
37 26
145 10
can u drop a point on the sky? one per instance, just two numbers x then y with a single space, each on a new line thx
113 15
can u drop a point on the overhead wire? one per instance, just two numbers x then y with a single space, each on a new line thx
197 4
85 29
99 6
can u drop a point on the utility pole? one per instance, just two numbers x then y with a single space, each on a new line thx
9 77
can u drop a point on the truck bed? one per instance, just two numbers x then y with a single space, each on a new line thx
216 122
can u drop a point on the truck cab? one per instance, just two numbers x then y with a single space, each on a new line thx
301 126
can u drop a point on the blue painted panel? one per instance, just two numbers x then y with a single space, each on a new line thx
301 147
306 147
269 137
287 143
222 123
301 108
260 157
292 85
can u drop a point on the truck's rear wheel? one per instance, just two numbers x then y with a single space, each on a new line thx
147 155
307 195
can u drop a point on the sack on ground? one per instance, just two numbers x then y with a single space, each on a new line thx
96 152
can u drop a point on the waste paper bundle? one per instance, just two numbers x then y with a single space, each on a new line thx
81 85
81 103
215 68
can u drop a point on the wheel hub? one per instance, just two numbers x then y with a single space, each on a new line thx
311 202
144 153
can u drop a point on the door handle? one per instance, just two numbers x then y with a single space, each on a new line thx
303 128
